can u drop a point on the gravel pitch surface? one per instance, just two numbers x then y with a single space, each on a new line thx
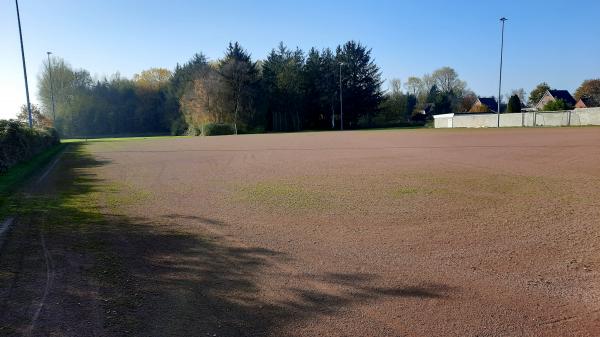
363 233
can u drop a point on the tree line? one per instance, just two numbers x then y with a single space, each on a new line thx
290 90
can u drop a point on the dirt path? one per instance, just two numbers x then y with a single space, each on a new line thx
413 233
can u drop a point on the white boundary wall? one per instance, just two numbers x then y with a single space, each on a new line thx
577 117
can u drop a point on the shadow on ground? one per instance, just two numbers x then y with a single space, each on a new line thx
122 276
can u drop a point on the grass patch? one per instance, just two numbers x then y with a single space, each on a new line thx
282 195
403 191
117 196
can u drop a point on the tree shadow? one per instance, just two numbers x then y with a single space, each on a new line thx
132 276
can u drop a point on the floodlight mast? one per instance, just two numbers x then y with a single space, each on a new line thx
341 99
24 67
503 20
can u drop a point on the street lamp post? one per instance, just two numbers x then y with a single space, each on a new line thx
503 19
24 67
341 103
51 86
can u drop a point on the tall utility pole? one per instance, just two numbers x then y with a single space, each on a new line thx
503 19
341 103
51 86
24 67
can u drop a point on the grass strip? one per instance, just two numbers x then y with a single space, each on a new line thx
17 175
112 139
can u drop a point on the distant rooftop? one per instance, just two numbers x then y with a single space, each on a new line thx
490 102
563 95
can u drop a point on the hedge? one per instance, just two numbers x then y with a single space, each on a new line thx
215 129
18 142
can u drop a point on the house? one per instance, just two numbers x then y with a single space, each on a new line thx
553 95
586 102
485 104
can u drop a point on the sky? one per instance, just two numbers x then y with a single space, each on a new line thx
551 41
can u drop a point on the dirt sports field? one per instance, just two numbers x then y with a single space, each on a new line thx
366 233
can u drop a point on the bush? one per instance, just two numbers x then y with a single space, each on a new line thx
215 129
193 131
178 127
556 105
19 143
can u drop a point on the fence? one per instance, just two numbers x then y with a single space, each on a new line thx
577 117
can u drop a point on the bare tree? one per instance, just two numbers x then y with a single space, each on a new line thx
447 81
428 82
395 86
414 85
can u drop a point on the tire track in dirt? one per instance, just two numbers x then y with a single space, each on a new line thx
49 280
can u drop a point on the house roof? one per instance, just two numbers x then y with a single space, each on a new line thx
564 95
490 102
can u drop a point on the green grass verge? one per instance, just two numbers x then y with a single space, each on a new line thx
18 175
113 139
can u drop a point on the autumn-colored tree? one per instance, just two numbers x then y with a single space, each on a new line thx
153 78
589 89
203 100
38 119
468 99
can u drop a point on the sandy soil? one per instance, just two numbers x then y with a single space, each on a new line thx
369 233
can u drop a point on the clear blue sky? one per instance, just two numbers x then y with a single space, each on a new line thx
552 41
